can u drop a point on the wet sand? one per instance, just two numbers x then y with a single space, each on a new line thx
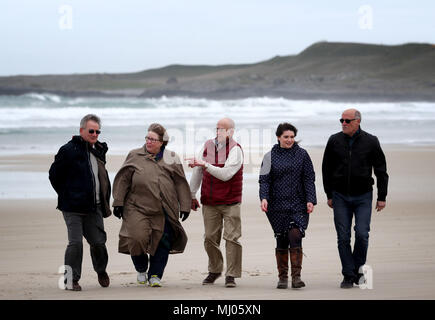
33 240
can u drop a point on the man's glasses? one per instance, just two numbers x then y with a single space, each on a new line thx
346 120
92 131
151 140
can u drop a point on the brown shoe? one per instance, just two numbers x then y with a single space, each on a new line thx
103 279
75 287
230 282
211 278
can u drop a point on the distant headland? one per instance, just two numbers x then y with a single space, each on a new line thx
325 70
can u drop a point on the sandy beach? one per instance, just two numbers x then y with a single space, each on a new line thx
33 240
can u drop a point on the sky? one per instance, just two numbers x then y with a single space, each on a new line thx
108 36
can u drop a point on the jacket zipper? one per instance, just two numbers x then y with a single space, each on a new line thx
211 188
92 175
350 170
216 160
350 163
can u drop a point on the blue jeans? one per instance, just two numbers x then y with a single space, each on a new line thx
345 207
158 261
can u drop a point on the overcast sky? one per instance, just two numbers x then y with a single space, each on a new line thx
87 36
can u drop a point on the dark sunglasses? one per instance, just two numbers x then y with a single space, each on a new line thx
346 120
91 131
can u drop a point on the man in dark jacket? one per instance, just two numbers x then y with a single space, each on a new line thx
81 181
348 161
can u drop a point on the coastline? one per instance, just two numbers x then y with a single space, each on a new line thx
347 97
402 239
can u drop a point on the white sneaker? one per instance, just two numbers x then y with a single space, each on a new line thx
154 281
142 278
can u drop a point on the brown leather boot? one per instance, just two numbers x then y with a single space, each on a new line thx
296 265
282 264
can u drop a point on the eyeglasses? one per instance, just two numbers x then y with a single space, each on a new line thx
346 120
92 131
151 140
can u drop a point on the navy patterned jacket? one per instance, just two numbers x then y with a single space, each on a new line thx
287 179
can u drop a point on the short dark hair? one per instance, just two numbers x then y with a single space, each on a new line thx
284 127
160 131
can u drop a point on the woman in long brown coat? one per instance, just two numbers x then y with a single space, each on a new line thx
150 191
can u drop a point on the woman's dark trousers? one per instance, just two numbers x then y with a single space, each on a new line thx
159 260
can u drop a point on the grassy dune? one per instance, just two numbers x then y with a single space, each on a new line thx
325 70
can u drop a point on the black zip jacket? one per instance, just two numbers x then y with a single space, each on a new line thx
72 178
348 169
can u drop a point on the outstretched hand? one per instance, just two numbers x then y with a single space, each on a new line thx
194 162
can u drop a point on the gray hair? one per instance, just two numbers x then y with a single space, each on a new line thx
89 117
357 115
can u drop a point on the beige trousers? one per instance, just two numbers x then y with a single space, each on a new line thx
228 218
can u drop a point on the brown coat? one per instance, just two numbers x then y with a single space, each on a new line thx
103 177
143 186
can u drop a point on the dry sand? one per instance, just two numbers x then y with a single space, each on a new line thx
401 251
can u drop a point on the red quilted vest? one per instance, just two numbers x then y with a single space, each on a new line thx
213 190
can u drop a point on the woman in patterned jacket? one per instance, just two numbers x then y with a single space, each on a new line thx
288 196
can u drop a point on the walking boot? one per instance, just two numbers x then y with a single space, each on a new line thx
296 266
103 279
282 264
211 278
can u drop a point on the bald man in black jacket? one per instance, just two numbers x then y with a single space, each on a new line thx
350 157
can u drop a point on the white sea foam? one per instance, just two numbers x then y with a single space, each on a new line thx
44 97
39 123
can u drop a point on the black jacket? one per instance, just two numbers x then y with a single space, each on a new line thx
72 177
348 169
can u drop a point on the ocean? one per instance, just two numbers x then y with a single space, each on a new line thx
40 123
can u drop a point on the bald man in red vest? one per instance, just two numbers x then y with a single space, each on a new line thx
219 172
